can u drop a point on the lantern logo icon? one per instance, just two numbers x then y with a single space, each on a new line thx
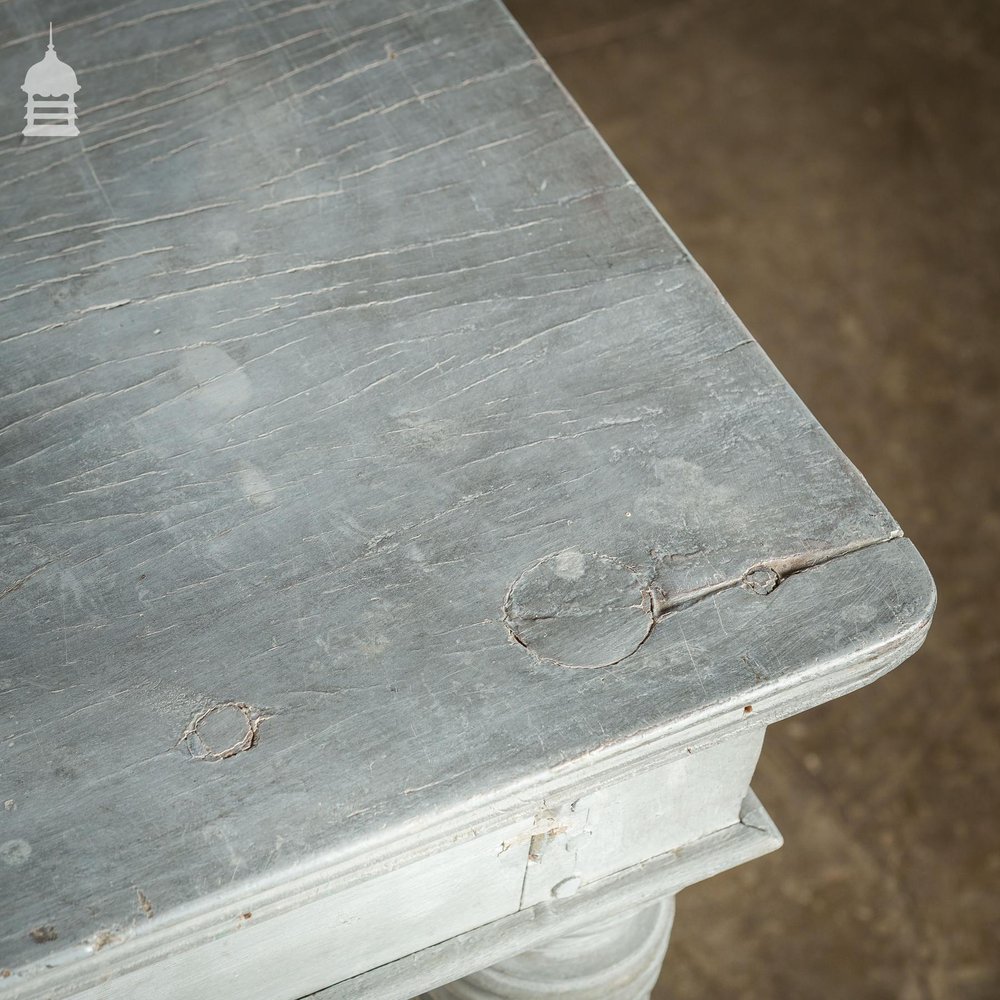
51 86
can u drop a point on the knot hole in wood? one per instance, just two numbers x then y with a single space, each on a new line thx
582 609
222 730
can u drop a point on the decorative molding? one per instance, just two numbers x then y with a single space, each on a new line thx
616 959
626 891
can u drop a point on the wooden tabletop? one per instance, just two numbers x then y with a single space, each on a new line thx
374 460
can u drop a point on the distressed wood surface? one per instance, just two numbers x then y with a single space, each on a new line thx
631 889
351 395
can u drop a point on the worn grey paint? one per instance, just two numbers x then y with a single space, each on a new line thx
631 889
334 321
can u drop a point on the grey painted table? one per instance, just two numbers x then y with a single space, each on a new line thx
404 547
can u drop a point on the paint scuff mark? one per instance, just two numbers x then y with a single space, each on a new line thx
103 938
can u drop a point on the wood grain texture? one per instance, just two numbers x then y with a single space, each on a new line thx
334 321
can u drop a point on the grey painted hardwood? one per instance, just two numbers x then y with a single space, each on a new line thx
345 378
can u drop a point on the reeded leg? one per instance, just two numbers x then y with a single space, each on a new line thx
617 959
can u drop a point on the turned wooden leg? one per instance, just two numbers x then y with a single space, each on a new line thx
617 959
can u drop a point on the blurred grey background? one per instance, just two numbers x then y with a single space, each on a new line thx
834 167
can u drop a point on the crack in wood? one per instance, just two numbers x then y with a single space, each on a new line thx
579 610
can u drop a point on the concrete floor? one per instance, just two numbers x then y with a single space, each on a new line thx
834 166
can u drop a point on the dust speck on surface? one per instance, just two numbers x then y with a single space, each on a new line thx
144 903
44 933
